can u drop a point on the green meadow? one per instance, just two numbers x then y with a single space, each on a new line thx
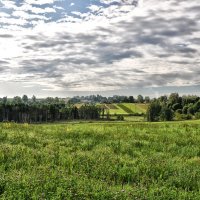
124 108
100 160
127 108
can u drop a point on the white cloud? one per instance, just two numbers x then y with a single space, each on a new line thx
39 2
94 8
25 15
12 21
42 10
117 47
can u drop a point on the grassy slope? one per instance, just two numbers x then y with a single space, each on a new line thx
100 161
136 108
123 108
128 108
118 110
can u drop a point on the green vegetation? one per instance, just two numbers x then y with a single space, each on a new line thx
115 109
126 108
26 110
174 107
134 118
45 110
136 107
121 161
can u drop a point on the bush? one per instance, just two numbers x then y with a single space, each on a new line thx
190 110
197 115
166 114
120 117
184 110
179 116
179 111
176 106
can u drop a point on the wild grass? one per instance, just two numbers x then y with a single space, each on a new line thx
121 160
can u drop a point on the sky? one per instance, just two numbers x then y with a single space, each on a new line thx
81 47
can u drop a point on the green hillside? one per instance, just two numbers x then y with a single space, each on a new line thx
122 108
105 161
115 109
127 108
136 108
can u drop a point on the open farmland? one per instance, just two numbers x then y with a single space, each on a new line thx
136 107
100 161
126 108
115 109
122 108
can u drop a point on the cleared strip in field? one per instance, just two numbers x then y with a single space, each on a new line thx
126 109
111 106
117 110
136 107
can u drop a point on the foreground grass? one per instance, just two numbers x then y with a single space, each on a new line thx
100 161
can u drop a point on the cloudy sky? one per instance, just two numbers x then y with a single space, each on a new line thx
80 47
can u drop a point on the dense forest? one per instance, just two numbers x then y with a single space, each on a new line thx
33 110
50 109
174 107
113 99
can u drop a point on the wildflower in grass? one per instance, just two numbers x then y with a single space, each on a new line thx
25 125
68 129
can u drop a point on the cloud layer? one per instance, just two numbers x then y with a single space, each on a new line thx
99 45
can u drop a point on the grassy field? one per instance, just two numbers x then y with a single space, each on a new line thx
122 108
121 160
126 108
116 110
136 107
134 119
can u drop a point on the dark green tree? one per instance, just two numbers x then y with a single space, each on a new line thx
147 99
166 114
140 99
153 111
131 99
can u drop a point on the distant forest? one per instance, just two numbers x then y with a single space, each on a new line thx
174 107
33 110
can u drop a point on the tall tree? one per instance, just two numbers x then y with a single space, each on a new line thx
153 111
140 99
25 98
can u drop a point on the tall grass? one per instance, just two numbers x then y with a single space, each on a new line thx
100 161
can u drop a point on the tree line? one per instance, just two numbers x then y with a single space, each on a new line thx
50 109
174 107
108 100
33 110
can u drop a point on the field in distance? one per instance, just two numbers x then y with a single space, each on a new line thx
100 160
123 108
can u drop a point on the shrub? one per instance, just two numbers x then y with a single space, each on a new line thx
184 110
179 116
190 111
179 111
166 114
197 115
176 106
120 117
